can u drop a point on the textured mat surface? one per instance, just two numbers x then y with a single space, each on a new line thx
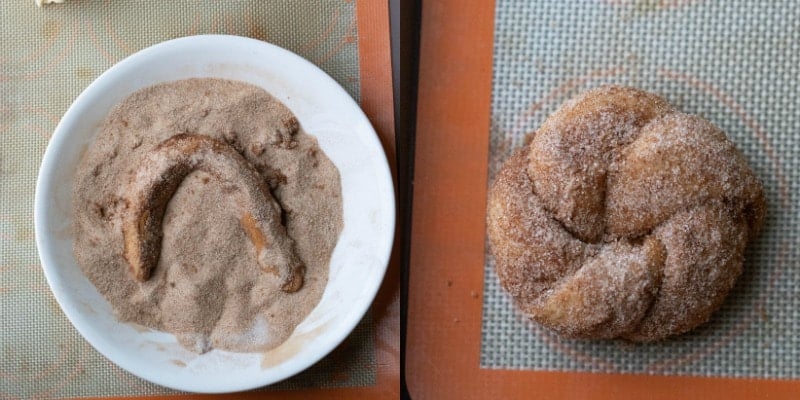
736 63
48 56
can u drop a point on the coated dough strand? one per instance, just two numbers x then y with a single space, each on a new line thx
158 177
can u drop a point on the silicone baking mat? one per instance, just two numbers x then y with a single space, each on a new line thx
736 63
48 56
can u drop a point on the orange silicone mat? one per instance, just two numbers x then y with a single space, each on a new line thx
48 55
489 73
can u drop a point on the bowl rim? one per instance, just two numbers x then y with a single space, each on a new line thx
45 182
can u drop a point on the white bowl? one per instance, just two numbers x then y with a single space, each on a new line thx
359 260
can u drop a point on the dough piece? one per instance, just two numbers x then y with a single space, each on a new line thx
43 2
623 217
158 177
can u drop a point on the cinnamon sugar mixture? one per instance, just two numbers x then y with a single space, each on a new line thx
207 288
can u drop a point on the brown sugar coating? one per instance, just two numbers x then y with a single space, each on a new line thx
623 217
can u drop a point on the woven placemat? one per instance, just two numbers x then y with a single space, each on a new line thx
736 63
48 56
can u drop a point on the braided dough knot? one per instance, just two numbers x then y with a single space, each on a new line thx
623 217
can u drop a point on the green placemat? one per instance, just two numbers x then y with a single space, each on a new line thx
48 56
737 64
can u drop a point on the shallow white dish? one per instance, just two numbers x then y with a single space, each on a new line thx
359 260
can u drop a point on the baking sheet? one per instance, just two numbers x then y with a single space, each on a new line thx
736 63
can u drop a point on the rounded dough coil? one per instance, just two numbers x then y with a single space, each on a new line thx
622 217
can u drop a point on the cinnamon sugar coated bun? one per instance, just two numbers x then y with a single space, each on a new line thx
623 218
